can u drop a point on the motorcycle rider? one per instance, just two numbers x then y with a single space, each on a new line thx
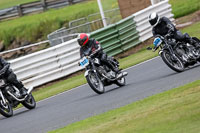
91 46
7 73
163 26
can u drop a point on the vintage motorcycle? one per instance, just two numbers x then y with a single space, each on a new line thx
176 55
99 75
10 98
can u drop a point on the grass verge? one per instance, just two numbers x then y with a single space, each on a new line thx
38 26
184 7
10 3
174 111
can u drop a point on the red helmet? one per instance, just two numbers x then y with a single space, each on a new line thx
83 39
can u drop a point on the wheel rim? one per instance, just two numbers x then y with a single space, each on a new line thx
178 63
121 81
96 82
4 107
30 100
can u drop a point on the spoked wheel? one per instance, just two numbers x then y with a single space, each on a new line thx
29 102
121 82
6 109
95 83
175 64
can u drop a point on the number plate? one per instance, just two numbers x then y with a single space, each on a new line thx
84 62
157 42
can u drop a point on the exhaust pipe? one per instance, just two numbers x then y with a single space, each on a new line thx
20 100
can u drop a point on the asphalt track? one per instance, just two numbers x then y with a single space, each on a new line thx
144 80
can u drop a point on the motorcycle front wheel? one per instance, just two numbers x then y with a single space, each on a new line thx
95 83
29 102
176 65
6 109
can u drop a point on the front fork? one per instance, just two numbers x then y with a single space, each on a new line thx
171 52
2 97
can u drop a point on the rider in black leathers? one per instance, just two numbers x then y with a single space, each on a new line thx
89 46
10 77
163 26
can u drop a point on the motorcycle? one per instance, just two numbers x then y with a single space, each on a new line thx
10 98
175 54
99 75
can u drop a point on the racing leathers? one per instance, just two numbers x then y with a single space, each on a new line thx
10 77
165 26
92 47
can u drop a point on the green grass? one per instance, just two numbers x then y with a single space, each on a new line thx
11 3
193 30
38 26
174 111
184 7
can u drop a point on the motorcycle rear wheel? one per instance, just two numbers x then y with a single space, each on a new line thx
121 82
29 103
95 83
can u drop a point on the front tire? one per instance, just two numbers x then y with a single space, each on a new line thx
29 103
177 66
6 110
95 83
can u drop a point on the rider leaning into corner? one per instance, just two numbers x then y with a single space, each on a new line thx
7 73
91 46
163 26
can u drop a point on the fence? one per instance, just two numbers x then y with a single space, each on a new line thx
33 7
87 24
61 60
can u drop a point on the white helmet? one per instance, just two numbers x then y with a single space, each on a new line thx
154 19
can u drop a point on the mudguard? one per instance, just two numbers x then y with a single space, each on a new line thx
160 52
86 73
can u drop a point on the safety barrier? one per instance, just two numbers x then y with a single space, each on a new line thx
118 37
61 60
141 18
47 65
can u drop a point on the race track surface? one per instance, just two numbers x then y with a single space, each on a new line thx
144 80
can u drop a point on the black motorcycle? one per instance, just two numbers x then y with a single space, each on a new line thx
99 75
176 55
10 98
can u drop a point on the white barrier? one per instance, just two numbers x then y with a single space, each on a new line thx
47 65
141 18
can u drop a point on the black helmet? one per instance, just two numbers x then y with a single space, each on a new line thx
154 19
